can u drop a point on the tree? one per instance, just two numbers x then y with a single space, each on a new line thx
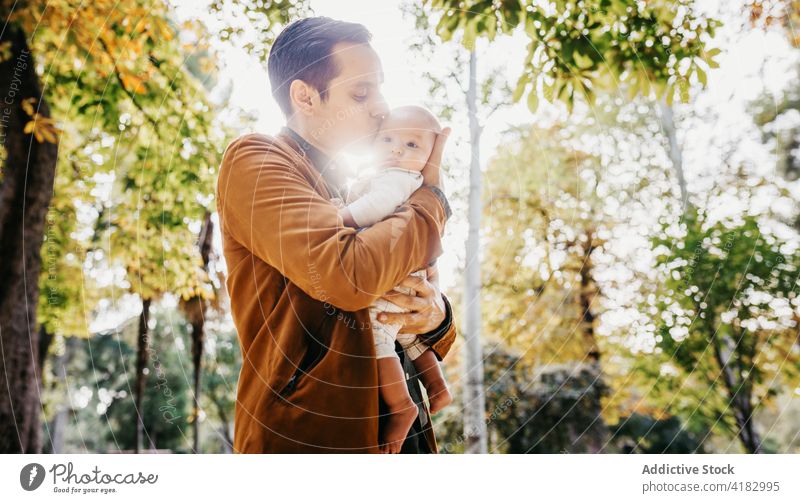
254 24
29 143
575 47
223 361
782 13
124 89
116 81
194 309
727 305
770 114
482 98
547 223
549 409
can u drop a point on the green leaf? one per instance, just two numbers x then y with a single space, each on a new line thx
470 32
522 83
701 75
530 29
548 90
670 94
583 62
533 100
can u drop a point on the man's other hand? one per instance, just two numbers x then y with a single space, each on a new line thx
426 308
430 173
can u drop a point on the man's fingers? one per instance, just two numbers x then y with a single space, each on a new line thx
406 301
435 159
413 282
409 321
421 286
420 315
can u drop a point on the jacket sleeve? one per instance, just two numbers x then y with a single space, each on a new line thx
271 209
441 338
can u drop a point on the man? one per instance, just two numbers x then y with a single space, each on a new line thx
300 282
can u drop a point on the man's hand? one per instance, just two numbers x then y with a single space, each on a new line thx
430 173
427 308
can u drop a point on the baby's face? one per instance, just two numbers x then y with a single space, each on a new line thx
404 140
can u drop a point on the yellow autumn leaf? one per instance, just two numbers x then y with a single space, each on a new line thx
132 83
27 106
166 31
5 51
43 129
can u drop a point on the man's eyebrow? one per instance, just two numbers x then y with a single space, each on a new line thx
364 83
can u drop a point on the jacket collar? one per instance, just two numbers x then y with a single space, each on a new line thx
323 163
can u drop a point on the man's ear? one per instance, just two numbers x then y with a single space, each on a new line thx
302 97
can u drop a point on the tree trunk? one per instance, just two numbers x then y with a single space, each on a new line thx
475 438
197 359
45 340
194 310
60 418
740 401
141 363
26 187
587 293
675 152
225 429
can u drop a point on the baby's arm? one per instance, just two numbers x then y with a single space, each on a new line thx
389 190
344 212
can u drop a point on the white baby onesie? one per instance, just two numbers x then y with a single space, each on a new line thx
373 198
370 200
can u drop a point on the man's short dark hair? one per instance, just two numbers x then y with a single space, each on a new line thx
303 51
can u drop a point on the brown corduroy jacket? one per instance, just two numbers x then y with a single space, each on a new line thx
300 284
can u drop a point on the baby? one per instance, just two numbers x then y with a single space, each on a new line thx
403 145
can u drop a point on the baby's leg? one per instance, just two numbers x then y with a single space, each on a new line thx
403 410
431 376
391 381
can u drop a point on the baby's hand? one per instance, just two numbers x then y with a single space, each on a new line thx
343 212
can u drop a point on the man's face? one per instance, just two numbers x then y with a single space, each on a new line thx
350 117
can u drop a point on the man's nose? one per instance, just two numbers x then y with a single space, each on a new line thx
380 109
397 149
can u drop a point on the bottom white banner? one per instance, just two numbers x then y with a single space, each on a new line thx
618 477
